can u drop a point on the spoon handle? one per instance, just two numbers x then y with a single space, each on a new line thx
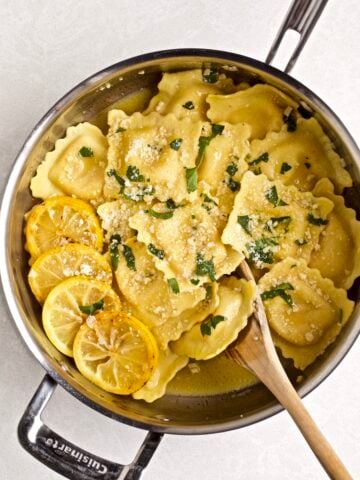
278 383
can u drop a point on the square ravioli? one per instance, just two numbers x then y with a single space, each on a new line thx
193 253
305 311
148 156
270 221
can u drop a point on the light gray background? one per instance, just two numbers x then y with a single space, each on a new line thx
46 47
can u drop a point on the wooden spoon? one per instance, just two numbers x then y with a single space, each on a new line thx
254 350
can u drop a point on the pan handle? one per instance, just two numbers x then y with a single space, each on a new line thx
301 17
66 458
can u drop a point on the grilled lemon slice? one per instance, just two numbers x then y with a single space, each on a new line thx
72 302
56 264
59 221
117 353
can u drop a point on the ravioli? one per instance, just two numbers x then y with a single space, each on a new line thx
213 336
184 93
338 254
223 167
174 327
148 156
146 289
300 157
305 310
168 365
192 251
261 106
270 222
115 217
75 167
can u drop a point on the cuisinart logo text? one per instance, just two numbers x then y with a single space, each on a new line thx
78 456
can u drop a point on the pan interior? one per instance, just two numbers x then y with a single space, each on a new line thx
90 102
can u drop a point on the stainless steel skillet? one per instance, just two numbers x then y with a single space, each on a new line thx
187 415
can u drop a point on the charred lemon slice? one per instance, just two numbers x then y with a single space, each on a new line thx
59 221
117 352
70 304
57 264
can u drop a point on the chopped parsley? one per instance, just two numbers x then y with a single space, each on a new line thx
316 220
244 221
211 75
86 152
207 199
279 291
285 167
188 105
120 130
205 267
129 257
133 174
209 292
191 179
304 112
171 205
285 221
191 173
173 284
290 120
118 178
272 196
176 144
307 165
209 325
115 241
233 185
161 215
261 250
231 169
301 242
264 157
195 281
90 309
156 251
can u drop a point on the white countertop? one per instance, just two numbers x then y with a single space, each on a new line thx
46 48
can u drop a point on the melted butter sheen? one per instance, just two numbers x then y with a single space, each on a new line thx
216 376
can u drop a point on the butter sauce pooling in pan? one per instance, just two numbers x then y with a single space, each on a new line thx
136 246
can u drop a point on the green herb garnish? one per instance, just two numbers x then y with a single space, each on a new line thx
316 220
210 324
285 167
115 241
133 174
207 199
176 144
90 309
156 251
195 281
118 178
209 292
161 215
231 169
191 179
129 257
86 152
341 315
264 157
120 130
272 196
290 120
261 251
173 284
205 267
233 185
189 105
211 77
301 242
244 221
285 220
279 291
